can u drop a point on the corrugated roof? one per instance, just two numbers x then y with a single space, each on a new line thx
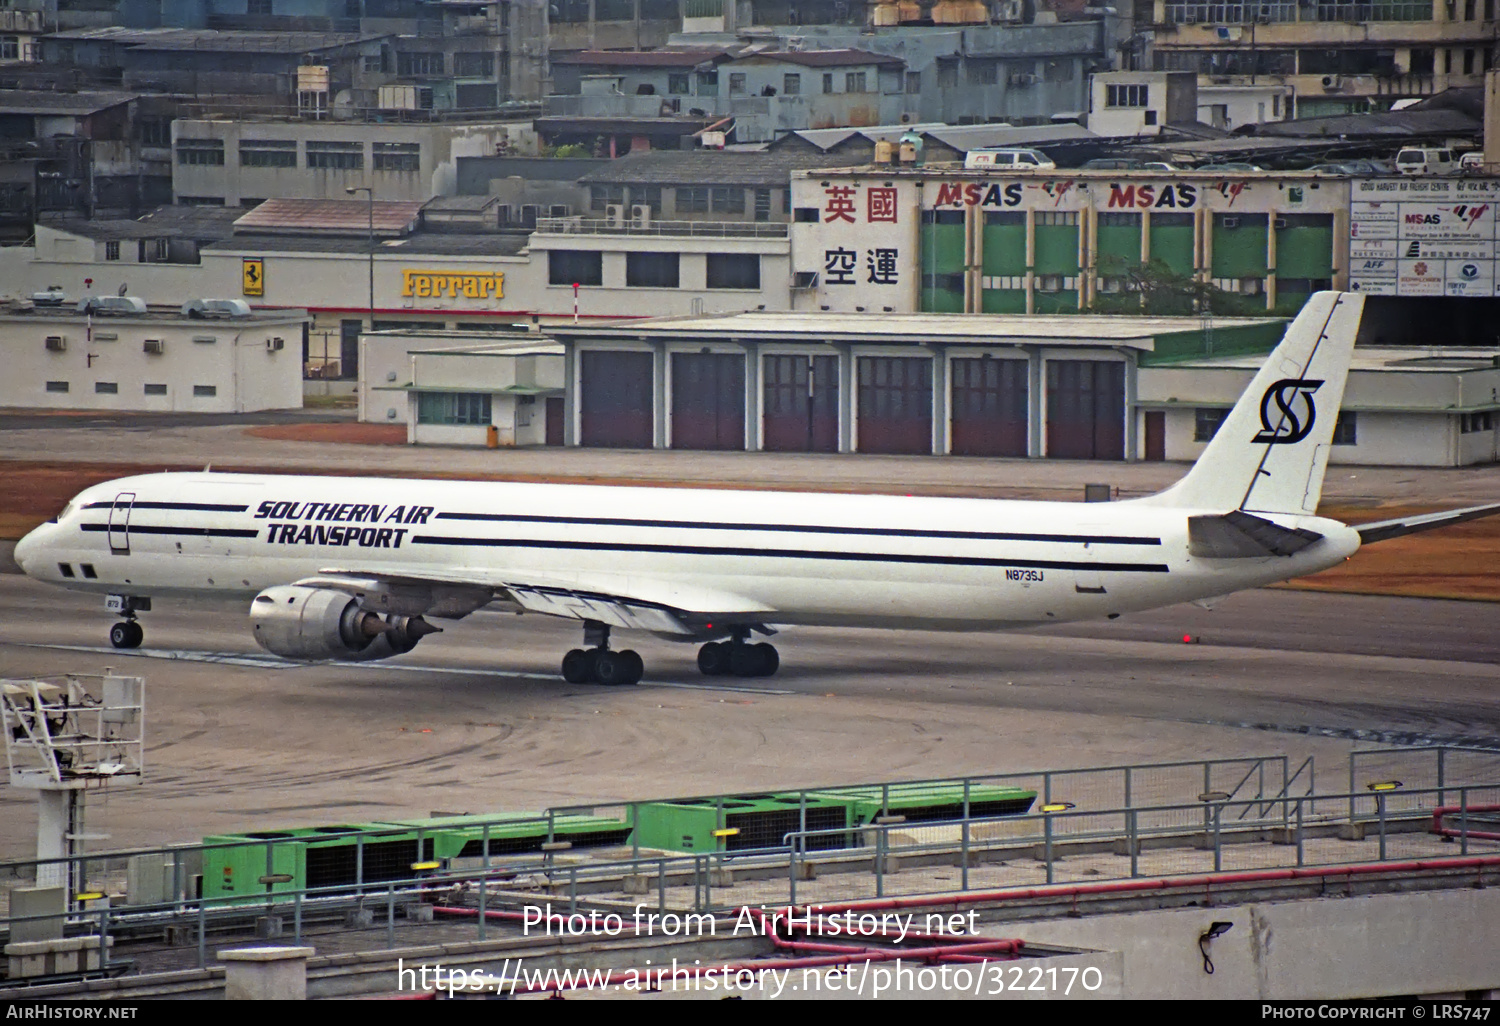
35 101
825 58
214 40
344 217
201 223
711 167
418 244
1402 124
643 58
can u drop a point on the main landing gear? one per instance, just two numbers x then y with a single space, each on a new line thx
737 658
128 633
599 665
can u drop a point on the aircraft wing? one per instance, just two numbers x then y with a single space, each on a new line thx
1241 535
619 600
1383 529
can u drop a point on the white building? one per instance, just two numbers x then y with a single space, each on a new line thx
133 357
1140 102
1402 407
508 393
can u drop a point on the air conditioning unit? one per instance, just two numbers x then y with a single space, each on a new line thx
1332 82
198 309
1022 78
1251 286
1230 222
56 343
640 215
614 213
153 346
803 280
275 345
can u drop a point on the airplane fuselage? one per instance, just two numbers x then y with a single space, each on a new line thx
775 557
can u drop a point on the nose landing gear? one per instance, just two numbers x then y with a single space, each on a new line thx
598 664
128 633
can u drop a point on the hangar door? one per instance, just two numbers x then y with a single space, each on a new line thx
801 403
708 401
895 404
615 399
989 407
1085 410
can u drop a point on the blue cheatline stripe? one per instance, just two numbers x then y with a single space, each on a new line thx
197 532
199 507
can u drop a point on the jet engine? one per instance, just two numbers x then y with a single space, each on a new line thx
298 622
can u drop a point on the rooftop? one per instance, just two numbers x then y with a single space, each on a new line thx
416 244
213 40
702 167
953 329
155 314
1411 359
344 217
31 101
644 58
826 58
202 223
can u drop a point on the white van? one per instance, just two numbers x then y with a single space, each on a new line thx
1416 160
1014 160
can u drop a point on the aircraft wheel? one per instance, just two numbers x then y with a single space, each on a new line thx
745 661
577 666
713 659
126 634
770 660
611 668
635 666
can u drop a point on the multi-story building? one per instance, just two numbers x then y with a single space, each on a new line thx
1336 57
242 162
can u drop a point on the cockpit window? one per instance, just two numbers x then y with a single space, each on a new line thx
66 510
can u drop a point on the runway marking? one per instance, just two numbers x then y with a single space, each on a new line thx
272 663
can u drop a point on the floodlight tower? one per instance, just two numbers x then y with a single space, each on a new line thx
63 736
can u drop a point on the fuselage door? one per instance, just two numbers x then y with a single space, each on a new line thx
119 524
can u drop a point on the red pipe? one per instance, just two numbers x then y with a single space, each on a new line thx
1447 810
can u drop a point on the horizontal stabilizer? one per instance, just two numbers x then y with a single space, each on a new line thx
1383 529
1241 535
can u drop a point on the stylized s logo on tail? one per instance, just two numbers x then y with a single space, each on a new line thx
1292 426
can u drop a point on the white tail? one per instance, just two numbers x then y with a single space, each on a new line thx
1270 453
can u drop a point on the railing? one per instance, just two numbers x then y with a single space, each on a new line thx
1250 12
628 226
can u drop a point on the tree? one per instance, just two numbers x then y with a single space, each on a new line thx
1153 288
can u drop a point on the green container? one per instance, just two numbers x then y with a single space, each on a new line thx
930 802
328 856
757 821
516 833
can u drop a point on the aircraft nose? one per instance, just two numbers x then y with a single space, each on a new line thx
26 551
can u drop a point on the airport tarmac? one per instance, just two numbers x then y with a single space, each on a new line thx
477 720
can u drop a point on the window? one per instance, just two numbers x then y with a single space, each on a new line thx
397 156
474 65
733 271
336 156
154 131
57 386
10 48
88 571
200 201
1469 423
1206 421
651 270
791 85
737 83
983 72
708 83
854 82
729 200
111 251
601 196
677 84
1126 95
268 153
692 201
646 196
418 65
107 387
156 389
453 408
828 82
947 74
200 152
373 63
913 83
1346 429
262 8
575 267
204 391
806 215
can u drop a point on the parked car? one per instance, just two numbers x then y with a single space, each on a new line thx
1015 160
1421 160
1471 163
1159 165
1110 164
1229 167
1334 169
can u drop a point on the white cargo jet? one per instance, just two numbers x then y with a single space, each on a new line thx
353 568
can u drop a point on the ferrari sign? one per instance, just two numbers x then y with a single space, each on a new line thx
253 275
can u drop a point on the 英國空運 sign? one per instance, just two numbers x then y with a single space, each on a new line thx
453 284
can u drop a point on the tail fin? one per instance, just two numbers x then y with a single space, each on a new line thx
1270 453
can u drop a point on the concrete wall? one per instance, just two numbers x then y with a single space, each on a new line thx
1400 944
